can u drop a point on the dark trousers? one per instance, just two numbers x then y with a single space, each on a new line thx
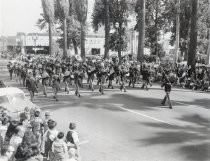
10 74
165 98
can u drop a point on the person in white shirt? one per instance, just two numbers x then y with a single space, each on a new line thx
50 136
72 139
59 148
72 155
17 138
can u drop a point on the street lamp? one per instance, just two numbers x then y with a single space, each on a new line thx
35 38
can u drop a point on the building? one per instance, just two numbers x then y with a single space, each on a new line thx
35 43
94 44
38 43
3 42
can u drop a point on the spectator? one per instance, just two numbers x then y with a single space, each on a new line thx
47 118
72 155
6 152
37 125
29 143
50 136
72 139
59 147
3 129
17 137
25 115
10 130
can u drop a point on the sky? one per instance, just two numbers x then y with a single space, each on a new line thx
22 15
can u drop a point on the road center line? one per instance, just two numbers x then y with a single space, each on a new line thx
186 104
138 113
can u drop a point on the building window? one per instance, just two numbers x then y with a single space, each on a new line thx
95 51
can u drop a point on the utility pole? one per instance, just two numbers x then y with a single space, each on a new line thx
176 52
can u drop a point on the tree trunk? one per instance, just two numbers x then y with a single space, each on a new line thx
177 33
82 41
119 45
75 46
107 30
50 37
193 35
141 28
208 51
65 38
156 29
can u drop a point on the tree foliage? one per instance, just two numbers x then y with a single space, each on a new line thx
48 9
81 9
185 20
118 13
63 7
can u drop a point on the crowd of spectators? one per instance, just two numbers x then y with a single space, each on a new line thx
29 137
184 77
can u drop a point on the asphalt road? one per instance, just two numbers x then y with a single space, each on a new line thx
133 126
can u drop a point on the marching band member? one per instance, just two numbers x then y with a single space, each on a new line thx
123 72
77 82
45 81
55 85
66 80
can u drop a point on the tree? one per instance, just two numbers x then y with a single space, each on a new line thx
193 34
170 25
177 32
73 33
208 20
107 29
140 10
203 27
118 17
101 16
48 10
63 8
81 7
115 41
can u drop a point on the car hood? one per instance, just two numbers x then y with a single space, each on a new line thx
18 107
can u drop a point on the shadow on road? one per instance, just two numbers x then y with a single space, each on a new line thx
193 140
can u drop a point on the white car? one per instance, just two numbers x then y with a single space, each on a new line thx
14 100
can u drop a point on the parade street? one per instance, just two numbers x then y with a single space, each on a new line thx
132 125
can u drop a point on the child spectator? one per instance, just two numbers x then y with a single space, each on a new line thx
47 118
6 152
72 139
37 126
45 124
29 144
72 155
59 147
25 115
50 136
17 137
3 129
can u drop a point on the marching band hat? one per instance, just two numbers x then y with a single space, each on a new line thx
45 75
55 76
67 73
